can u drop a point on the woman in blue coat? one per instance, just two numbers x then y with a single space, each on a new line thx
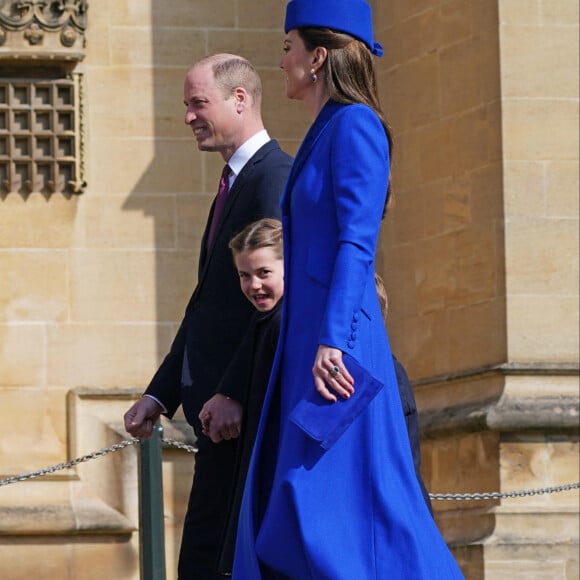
331 492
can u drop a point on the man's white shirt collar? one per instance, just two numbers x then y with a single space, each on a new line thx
245 152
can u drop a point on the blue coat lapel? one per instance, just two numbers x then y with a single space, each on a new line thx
316 129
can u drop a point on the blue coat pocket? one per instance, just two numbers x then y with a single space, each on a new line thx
324 421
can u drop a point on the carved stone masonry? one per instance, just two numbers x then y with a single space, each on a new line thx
45 29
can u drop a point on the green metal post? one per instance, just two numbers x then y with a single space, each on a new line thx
151 534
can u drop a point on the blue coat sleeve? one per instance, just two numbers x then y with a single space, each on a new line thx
360 175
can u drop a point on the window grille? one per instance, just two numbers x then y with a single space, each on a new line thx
40 137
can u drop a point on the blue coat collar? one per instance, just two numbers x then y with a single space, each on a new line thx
316 129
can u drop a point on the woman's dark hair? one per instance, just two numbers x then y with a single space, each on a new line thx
349 75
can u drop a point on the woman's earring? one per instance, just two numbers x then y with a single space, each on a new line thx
313 76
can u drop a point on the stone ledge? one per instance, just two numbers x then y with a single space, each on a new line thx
537 561
534 525
176 429
502 398
82 517
513 526
532 368
559 414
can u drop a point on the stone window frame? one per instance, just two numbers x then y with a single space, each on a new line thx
41 97
41 140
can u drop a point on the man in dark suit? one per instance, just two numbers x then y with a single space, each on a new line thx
222 94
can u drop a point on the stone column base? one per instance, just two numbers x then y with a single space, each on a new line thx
510 428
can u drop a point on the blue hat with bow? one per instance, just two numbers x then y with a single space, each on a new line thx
351 16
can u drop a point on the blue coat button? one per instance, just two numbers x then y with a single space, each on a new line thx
350 344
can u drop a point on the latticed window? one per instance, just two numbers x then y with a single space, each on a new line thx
40 147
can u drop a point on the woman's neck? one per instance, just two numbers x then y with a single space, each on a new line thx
316 99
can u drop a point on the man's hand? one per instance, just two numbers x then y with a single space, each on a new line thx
221 418
141 417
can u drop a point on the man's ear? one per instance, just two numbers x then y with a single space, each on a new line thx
242 99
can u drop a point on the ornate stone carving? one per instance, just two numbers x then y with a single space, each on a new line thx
37 28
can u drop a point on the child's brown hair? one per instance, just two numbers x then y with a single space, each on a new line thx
382 293
265 233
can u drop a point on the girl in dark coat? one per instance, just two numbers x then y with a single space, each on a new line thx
258 256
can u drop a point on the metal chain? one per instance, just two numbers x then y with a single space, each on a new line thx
503 495
180 445
192 449
71 463
88 457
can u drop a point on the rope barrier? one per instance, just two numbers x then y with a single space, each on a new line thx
192 449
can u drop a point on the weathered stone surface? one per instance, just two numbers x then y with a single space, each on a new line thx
479 254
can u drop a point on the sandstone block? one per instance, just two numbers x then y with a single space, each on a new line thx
34 286
528 57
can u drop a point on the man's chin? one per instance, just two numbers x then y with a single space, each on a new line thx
206 146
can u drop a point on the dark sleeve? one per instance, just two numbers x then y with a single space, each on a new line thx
412 422
405 390
234 383
166 383
410 410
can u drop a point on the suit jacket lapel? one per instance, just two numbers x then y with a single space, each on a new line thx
203 254
239 184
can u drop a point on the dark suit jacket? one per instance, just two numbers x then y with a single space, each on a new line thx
218 314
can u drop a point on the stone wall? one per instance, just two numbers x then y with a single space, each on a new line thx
480 257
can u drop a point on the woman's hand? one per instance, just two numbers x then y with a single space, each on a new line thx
330 374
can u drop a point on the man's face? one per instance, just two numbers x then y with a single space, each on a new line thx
211 115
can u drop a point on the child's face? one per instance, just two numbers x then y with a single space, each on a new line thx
261 277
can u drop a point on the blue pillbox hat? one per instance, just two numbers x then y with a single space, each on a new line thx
351 16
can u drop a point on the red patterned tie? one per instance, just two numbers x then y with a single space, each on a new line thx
220 201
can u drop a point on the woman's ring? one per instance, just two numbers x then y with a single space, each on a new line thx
334 371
